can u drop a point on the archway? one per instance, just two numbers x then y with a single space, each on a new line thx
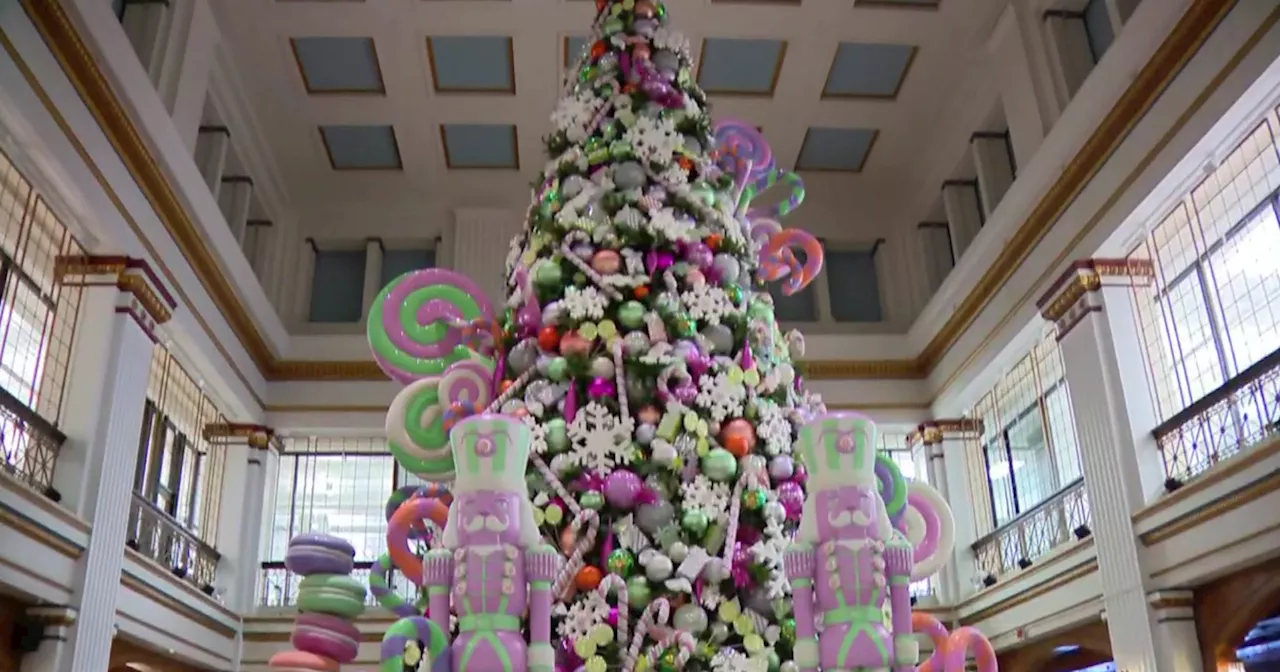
1229 608
1074 649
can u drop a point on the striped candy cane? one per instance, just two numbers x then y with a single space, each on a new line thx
617 582
673 638
656 613
575 563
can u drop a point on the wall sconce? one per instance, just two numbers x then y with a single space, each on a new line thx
1023 563
989 580
1083 531
1171 485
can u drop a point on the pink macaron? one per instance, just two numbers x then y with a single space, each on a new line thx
301 661
326 635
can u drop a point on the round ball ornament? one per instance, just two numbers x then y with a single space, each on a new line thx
622 488
738 436
548 274
791 497
588 578
652 517
607 262
591 499
638 592
621 562
719 465
695 522
573 344
754 499
659 567
691 618
549 338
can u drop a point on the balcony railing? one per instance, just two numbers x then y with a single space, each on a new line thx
157 535
1052 523
278 586
29 445
1241 413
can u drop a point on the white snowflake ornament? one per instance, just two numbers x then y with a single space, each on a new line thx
599 439
585 303
653 140
711 498
581 616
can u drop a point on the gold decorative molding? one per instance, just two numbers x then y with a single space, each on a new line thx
873 369
936 431
82 68
259 437
1086 276
130 275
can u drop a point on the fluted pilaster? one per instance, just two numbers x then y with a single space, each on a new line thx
480 242
240 510
945 443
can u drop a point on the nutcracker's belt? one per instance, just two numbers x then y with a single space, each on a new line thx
489 622
864 619
864 613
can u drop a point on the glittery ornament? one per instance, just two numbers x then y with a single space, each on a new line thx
621 562
755 498
695 522
791 497
622 488
573 344
549 338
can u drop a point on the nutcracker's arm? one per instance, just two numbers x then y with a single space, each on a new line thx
898 564
798 561
438 580
542 563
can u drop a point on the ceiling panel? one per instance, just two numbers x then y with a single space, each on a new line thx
361 147
836 149
472 64
338 64
868 70
740 67
480 146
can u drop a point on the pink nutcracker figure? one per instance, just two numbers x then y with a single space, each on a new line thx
493 565
864 536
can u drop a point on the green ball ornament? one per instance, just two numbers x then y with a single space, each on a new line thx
684 326
755 498
580 279
691 618
638 592
719 465
661 12
621 562
631 314
557 434
558 369
719 632
695 522
775 662
789 630
548 274
667 663
735 294
591 499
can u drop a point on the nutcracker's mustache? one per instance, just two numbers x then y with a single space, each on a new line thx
490 523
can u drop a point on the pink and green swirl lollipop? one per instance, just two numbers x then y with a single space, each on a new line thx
414 325
736 144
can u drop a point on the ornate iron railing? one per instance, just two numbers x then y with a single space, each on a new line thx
1052 523
157 535
1241 413
29 445
278 586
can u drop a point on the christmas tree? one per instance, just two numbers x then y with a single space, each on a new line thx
641 349
666 398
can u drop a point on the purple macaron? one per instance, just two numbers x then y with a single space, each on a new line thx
319 554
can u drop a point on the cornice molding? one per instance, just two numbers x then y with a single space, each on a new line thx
258 437
130 275
1070 298
938 430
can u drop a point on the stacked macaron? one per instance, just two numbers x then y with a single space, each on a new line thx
323 634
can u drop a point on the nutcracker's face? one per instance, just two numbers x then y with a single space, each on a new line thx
849 512
488 518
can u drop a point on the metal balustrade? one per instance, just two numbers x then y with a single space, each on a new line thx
29 444
278 587
1053 523
157 535
1242 412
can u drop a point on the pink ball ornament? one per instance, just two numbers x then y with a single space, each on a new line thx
622 488
801 476
699 255
602 388
791 497
607 262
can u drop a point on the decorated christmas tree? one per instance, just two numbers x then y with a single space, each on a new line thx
610 468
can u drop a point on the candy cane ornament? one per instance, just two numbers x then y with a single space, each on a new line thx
617 583
656 613
676 637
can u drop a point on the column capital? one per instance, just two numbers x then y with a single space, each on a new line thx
142 294
53 614
936 431
258 437
1074 294
1171 600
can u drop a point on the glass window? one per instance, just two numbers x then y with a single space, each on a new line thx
1213 309
1028 451
398 262
799 307
337 287
1097 26
854 285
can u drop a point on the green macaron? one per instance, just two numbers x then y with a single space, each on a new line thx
331 594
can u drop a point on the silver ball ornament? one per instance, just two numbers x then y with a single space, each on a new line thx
659 568
691 618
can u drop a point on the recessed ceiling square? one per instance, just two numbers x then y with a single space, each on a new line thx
836 149
868 70
740 67
573 46
338 64
480 146
361 147
472 64
899 4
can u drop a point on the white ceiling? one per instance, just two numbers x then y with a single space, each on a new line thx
920 136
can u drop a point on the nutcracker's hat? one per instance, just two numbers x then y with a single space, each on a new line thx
838 449
490 452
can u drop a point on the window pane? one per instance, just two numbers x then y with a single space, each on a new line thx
1062 435
282 521
1097 26
1246 272
337 287
22 322
1195 354
799 307
1000 480
1245 178
398 262
342 495
854 286
1033 473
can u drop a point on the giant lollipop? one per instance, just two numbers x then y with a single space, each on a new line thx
417 322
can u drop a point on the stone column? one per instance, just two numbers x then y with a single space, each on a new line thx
212 143
993 160
234 198
241 508
946 446
188 53
934 239
964 214
372 271
125 333
1177 643
1106 377
258 239
1069 55
146 24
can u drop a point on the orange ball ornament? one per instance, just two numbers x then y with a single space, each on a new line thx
598 49
549 338
738 437
505 385
642 291
588 578
714 241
